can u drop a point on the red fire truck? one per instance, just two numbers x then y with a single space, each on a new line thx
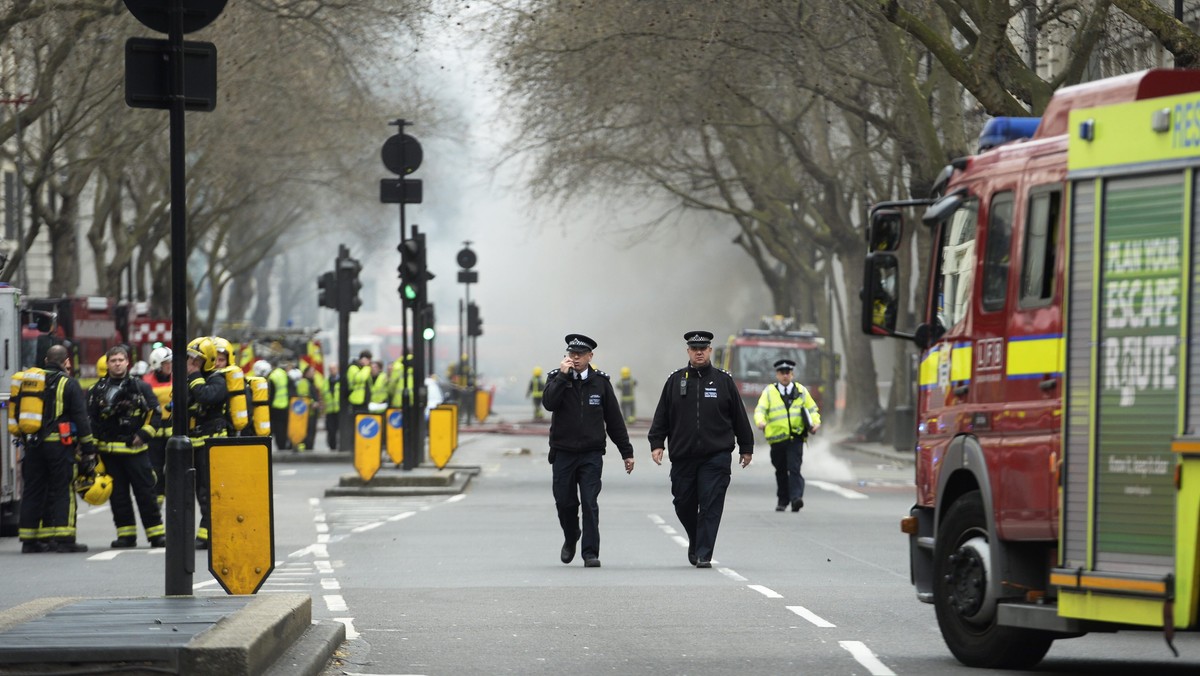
750 358
1058 422
93 324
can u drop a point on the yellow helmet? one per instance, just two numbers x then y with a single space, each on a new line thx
223 345
95 488
624 371
537 370
204 347
102 366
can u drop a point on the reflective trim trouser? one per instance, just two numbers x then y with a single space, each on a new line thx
538 413
132 471
699 487
786 458
203 479
157 454
47 502
577 480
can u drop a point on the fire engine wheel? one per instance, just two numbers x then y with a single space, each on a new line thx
966 608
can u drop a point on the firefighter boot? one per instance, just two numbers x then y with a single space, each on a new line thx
124 542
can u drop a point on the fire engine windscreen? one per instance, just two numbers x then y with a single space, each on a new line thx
759 361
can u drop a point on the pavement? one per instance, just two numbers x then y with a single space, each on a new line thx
235 635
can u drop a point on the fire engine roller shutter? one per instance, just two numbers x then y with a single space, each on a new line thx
1192 412
1079 375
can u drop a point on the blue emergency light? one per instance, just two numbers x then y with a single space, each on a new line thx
999 130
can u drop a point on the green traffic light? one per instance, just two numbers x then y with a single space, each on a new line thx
410 292
428 333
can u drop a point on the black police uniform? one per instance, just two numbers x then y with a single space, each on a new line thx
699 417
47 520
122 409
582 409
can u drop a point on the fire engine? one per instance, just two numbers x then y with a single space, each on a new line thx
92 324
10 363
1057 440
750 358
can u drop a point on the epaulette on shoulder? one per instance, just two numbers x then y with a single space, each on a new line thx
674 372
726 372
603 374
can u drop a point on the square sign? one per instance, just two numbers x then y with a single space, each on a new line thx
148 74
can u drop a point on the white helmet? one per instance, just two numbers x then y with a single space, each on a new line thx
295 374
159 355
139 368
262 368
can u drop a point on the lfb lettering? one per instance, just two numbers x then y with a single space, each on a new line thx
989 354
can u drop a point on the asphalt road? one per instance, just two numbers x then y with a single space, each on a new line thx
472 583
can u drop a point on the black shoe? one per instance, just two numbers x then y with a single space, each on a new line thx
797 504
692 557
124 542
568 550
158 541
200 543
704 564
70 548
780 508
34 547
591 563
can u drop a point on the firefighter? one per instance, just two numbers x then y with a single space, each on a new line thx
306 389
787 414
159 379
535 391
701 417
207 404
626 385
358 377
125 416
281 392
48 463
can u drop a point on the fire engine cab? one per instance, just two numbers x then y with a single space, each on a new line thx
750 358
1058 415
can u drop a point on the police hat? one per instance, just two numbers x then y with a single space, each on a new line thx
785 365
698 338
577 342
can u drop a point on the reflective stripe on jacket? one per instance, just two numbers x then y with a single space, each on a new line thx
785 422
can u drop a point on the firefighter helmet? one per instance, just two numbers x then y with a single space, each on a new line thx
537 370
95 487
203 348
159 356
102 366
223 346
624 371
262 368
139 368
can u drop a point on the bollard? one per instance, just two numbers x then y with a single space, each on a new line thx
181 516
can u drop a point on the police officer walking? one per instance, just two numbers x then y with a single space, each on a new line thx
699 417
787 414
125 417
47 521
583 408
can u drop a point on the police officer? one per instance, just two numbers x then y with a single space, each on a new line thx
279 398
787 414
47 521
125 416
583 406
332 391
207 410
699 417
359 378
535 392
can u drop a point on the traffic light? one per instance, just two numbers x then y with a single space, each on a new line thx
413 270
474 321
428 332
327 290
348 284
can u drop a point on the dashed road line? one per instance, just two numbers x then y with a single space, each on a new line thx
865 657
769 593
351 634
811 616
840 490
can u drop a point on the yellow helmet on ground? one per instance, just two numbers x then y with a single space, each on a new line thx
95 488
537 370
203 347
102 366
624 371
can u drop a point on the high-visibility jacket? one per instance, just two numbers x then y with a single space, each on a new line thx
398 383
358 377
329 395
279 388
784 422
535 387
379 389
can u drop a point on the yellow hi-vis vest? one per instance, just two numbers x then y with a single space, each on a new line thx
785 422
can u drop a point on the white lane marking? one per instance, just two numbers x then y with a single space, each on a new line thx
314 501
206 583
834 488
330 584
731 574
351 634
287 472
323 567
680 540
654 518
769 593
402 515
334 603
668 529
322 528
865 657
320 551
319 518
366 527
322 538
106 556
811 616
456 498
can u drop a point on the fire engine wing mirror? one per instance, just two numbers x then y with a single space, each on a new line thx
942 208
880 298
885 230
